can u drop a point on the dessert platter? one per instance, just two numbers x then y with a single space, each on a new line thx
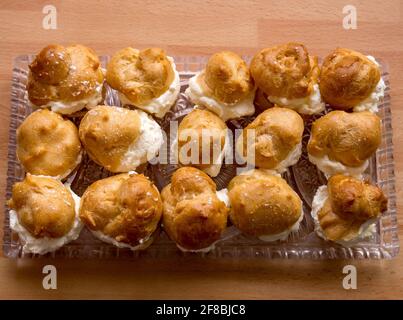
142 154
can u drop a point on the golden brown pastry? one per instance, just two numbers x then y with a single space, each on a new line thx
273 139
193 215
48 145
288 76
350 79
343 142
66 79
202 139
44 213
146 79
346 209
264 205
225 86
123 210
120 139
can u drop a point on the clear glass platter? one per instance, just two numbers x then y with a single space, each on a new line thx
303 177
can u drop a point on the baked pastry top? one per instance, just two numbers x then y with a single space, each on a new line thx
64 74
44 206
48 145
208 134
285 71
107 133
349 138
277 131
263 204
125 207
140 75
193 215
350 203
347 78
226 77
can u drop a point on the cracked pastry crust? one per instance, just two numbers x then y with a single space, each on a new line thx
347 78
65 74
277 132
193 215
44 206
125 207
263 204
48 145
349 138
350 204
140 75
286 71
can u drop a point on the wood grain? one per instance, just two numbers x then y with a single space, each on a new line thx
202 27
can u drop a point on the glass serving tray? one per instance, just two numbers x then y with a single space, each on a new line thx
303 177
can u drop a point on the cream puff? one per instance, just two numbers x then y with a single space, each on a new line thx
123 210
65 79
146 79
288 76
44 213
193 215
225 87
343 142
264 206
120 139
351 80
48 145
273 140
347 209
202 141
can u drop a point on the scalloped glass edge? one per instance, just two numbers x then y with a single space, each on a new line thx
386 247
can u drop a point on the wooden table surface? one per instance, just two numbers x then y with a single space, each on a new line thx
203 27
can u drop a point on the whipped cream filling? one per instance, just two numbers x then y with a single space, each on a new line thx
224 110
69 107
145 147
143 243
366 230
159 106
46 244
285 234
223 196
372 102
311 104
331 167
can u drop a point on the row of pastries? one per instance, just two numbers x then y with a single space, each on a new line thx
285 84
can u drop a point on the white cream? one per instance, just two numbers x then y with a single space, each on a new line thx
74 106
143 243
331 167
223 196
291 159
311 104
46 244
366 230
159 106
225 111
145 147
372 102
285 234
